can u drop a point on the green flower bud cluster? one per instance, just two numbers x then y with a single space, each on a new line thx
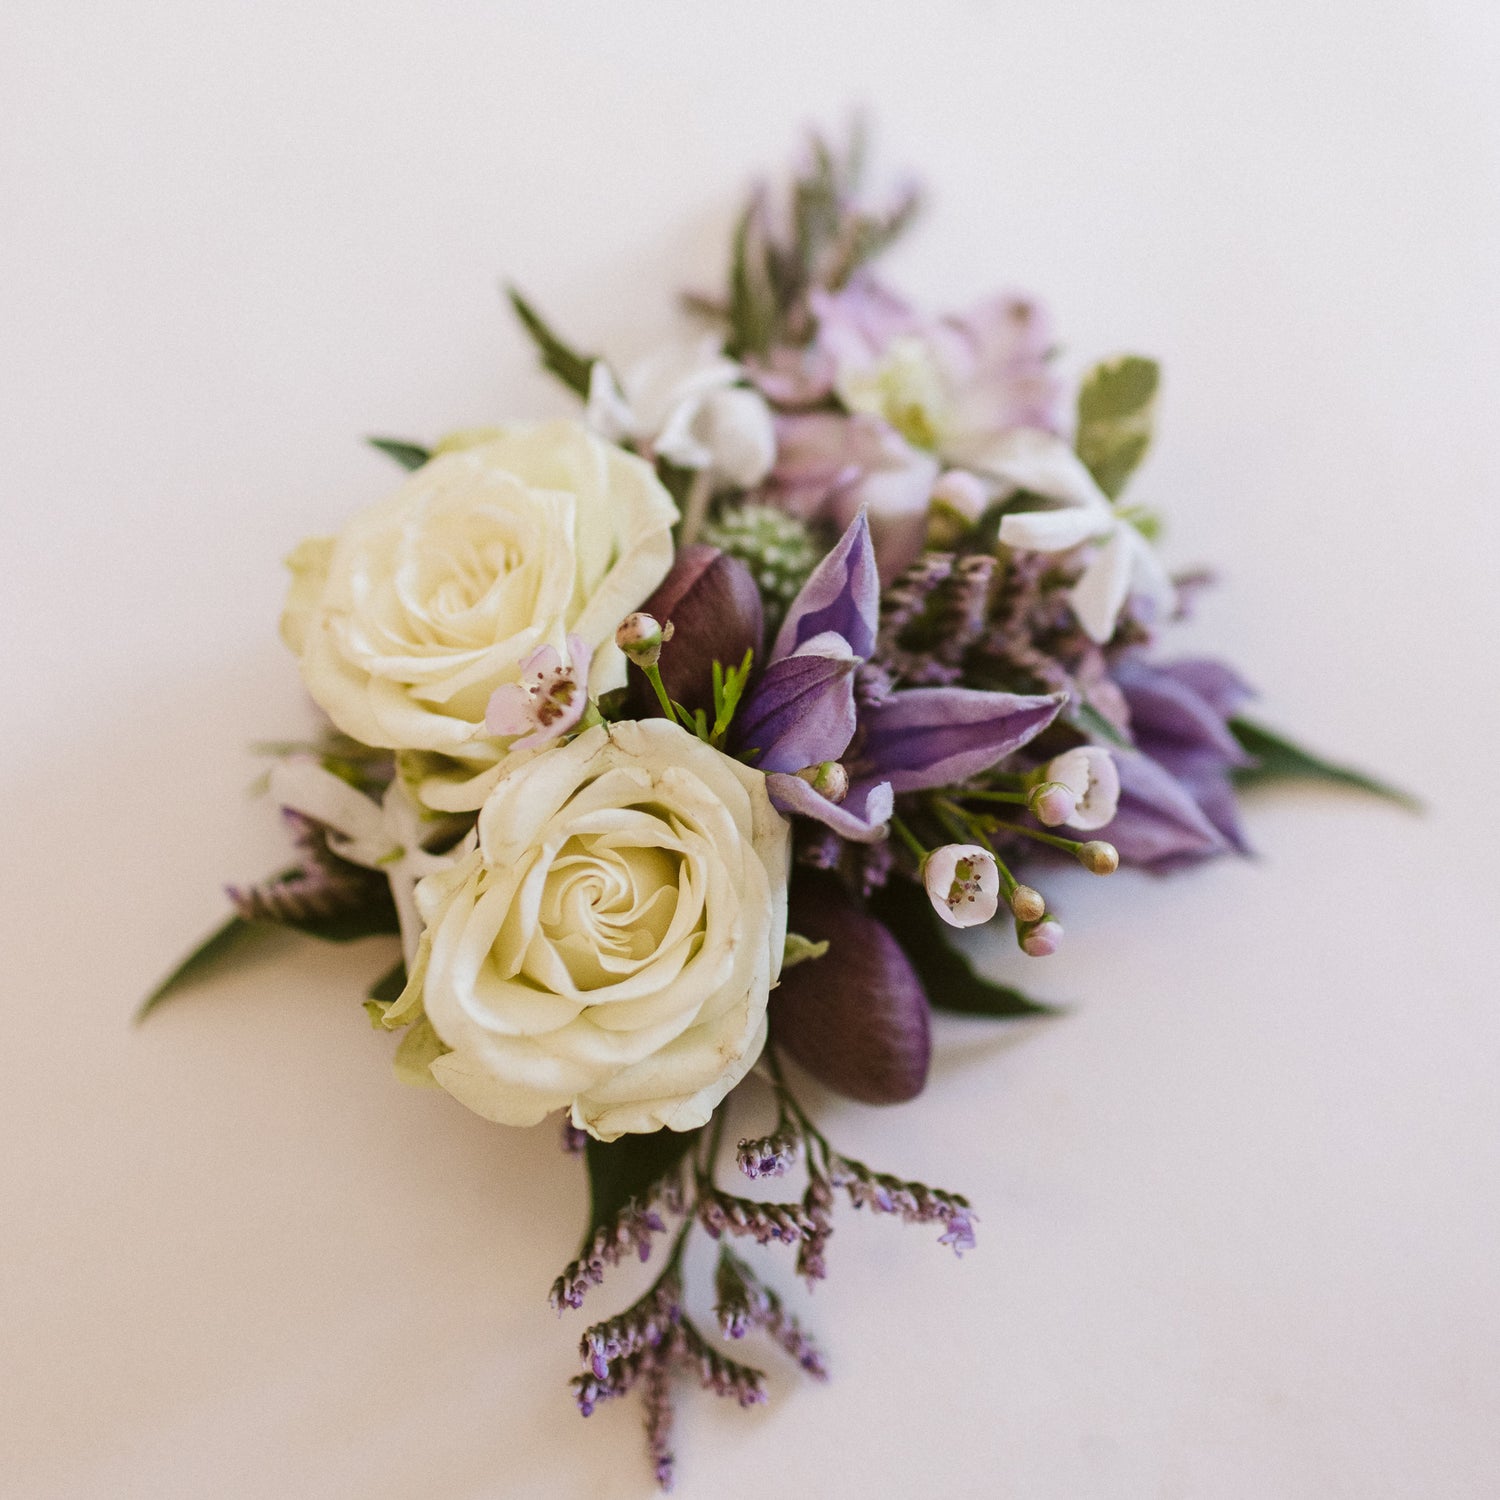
778 549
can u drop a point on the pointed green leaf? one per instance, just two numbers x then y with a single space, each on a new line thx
627 1168
1278 759
408 455
570 367
1115 408
946 975
233 941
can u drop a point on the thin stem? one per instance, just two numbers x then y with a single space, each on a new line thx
695 506
908 838
653 676
993 796
1068 846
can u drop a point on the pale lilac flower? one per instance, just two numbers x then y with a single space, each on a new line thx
547 702
963 883
1090 774
829 465
1042 939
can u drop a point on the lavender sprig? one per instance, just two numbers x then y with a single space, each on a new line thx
659 1413
717 1372
630 1230
745 1302
723 1213
914 1201
643 1325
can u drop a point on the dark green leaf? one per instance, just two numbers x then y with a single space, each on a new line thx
1277 759
232 941
946 975
408 455
752 293
1115 408
387 989
570 367
376 917
625 1169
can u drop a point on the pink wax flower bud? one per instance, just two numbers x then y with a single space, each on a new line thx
963 884
1099 858
1043 940
1029 905
641 637
1051 803
829 779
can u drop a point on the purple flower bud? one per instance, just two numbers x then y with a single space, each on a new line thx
1042 940
715 612
859 1021
1051 803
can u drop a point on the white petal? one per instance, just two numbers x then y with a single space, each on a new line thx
737 429
1028 459
1097 597
1054 530
607 412
357 824
1147 575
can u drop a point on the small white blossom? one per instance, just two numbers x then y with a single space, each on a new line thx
685 403
385 835
1090 773
1044 465
963 884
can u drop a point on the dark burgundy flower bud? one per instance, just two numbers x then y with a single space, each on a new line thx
857 1019
716 615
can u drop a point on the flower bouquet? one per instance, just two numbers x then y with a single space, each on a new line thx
672 742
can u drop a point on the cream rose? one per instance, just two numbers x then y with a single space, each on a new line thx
611 943
407 621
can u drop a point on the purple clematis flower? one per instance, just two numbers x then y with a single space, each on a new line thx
1177 802
802 712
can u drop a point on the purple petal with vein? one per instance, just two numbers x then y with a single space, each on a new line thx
802 710
842 595
927 737
1169 716
861 817
1159 823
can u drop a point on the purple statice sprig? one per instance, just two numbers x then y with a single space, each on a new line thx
654 1339
743 1302
630 1230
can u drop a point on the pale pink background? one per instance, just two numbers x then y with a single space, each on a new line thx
1239 1211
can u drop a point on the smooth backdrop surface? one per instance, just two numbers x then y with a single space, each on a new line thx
1239 1209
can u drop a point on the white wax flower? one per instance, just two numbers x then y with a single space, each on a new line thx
1090 773
963 884
1041 464
407 622
610 944
686 404
385 835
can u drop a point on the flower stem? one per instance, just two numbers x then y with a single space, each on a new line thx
908 838
695 506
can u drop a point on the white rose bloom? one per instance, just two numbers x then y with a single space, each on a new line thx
611 943
409 620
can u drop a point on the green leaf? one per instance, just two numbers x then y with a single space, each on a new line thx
625 1169
752 290
233 941
570 367
1089 721
797 949
408 455
1115 408
387 989
1279 759
946 975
